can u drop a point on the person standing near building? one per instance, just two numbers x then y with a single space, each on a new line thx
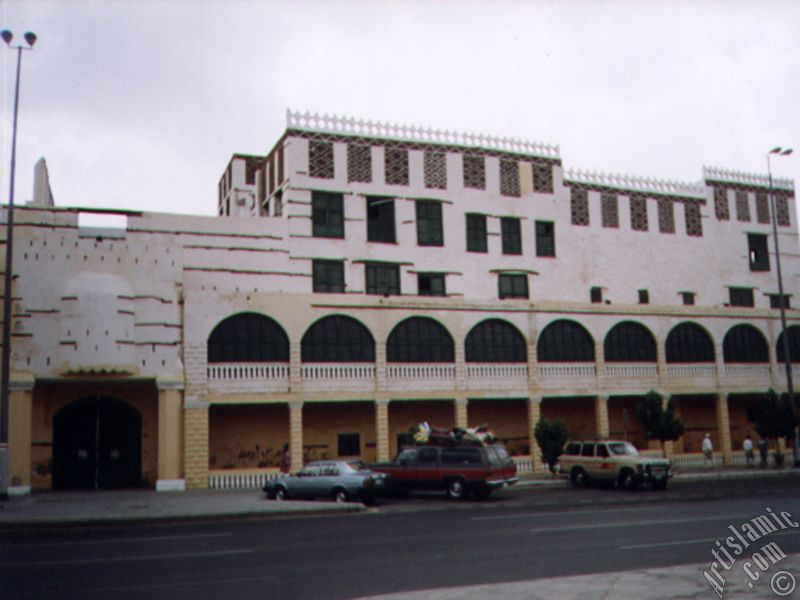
762 450
747 446
708 451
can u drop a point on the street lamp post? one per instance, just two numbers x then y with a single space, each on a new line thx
30 40
782 298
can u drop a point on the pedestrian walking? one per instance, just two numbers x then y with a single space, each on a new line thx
762 450
708 451
747 446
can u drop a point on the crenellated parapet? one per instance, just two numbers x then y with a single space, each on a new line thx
718 174
337 125
633 183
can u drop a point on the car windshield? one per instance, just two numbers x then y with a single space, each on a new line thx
355 465
623 449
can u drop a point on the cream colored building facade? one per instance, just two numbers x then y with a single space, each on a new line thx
363 277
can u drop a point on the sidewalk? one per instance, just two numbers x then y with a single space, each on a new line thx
125 506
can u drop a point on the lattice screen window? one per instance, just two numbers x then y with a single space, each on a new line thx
782 209
395 163
762 207
639 213
435 167
721 208
359 163
474 172
742 206
694 225
543 178
509 178
666 216
320 159
609 210
580 206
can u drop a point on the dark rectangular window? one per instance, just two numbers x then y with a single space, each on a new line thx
380 220
513 285
758 252
545 238
349 444
741 297
328 276
775 301
327 214
429 223
476 233
511 234
596 294
644 297
383 279
431 284
688 298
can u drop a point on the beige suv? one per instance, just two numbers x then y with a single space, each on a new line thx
613 461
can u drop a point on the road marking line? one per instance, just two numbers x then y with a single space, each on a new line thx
562 513
158 538
687 542
82 561
636 523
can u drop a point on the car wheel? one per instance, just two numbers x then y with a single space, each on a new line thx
627 481
281 494
578 477
456 489
339 495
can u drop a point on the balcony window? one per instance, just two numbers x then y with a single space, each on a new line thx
327 215
431 284
511 234
476 233
380 220
382 279
328 276
513 285
429 223
741 297
758 251
545 239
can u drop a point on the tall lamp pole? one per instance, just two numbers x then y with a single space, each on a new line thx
782 297
30 40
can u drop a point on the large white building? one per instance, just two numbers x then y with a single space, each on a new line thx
362 277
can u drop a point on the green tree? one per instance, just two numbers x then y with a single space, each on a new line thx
775 418
551 435
659 423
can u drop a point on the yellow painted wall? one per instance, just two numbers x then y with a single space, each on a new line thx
699 416
616 404
324 421
49 398
508 419
247 436
576 413
740 426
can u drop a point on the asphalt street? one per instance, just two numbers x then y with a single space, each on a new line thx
417 543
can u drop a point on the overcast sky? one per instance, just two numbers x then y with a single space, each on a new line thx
140 104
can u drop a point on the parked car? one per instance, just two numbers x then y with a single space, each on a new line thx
339 480
459 470
613 461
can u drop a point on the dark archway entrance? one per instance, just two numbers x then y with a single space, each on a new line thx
97 444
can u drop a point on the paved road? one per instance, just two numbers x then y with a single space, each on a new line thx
402 545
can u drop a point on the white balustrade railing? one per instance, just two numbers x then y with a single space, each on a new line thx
692 370
751 372
496 371
412 371
338 371
524 464
561 371
240 480
632 370
236 371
